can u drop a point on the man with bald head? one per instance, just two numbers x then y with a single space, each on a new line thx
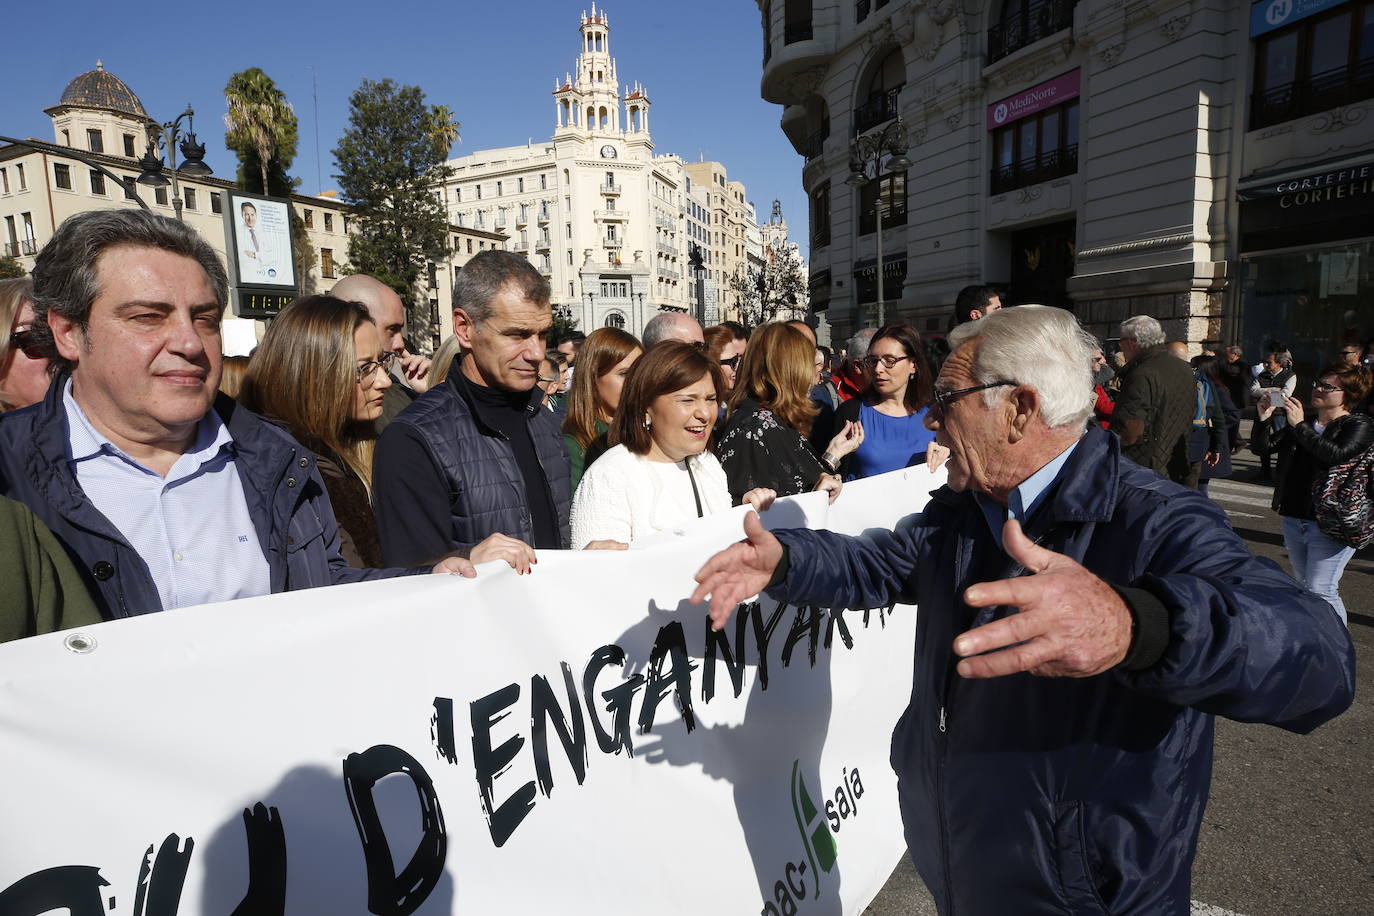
672 326
411 370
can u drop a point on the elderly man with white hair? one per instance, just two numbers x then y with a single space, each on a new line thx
1081 621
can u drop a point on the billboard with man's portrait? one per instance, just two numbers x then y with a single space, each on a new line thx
260 230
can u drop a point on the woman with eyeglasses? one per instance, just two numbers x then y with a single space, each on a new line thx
24 368
1307 452
321 371
603 362
763 443
892 408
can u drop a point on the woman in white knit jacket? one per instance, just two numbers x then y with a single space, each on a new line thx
658 472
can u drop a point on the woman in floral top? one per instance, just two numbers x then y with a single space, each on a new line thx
763 442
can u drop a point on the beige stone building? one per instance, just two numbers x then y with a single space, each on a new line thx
101 118
1209 163
601 214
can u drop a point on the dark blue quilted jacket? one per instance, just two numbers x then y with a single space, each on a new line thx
485 491
1033 795
286 499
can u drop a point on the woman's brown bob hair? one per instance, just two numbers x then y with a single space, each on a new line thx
918 390
603 350
1355 380
304 375
667 366
776 371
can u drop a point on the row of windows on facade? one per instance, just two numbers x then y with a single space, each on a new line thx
479 217
502 185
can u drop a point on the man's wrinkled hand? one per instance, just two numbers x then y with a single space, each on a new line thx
1071 623
739 571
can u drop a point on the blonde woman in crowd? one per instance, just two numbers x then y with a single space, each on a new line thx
321 372
24 369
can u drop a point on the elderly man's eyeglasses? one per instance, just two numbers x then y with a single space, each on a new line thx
368 369
889 362
26 342
940 401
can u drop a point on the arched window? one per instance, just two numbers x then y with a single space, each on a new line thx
615 320
877 100
605 118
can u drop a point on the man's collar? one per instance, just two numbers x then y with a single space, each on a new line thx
1028 497
85 441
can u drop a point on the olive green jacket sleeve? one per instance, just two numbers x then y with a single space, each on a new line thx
40 589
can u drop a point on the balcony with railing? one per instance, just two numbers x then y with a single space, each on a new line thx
543 243
1055 163
879 108
666 274
618 216
613 243
814 145
1040 20
797 39
611 187
1318 92
667 249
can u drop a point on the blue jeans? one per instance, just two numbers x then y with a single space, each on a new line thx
1318 561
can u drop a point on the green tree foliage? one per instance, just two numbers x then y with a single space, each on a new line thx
390 158
10 267
563 323
262 130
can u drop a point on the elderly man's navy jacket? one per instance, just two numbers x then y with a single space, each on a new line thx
1030 795
286 499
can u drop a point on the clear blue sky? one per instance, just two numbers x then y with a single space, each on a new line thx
493 63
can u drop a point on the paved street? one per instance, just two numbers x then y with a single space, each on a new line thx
1290 822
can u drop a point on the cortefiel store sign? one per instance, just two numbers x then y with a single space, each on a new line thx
1037 98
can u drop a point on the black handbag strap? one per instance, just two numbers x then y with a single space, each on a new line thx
696 494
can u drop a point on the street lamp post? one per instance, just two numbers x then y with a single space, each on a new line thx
165 136
870 150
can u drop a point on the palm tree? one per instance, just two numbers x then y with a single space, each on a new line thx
259 119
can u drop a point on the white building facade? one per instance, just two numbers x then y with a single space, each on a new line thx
593 208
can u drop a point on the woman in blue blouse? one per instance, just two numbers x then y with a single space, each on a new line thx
892 409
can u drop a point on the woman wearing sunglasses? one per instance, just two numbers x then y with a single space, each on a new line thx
725 345
321 371
24 371
892 408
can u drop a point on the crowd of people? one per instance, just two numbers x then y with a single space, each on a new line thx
134 484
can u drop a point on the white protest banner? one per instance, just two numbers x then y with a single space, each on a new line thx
574 740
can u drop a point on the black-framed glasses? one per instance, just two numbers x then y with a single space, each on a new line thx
26 341
732 361
941 400
383 362
871 362
1325 388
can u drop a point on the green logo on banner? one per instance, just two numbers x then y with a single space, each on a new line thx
821 849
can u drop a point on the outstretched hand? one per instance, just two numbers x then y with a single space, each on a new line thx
1071 623
739 571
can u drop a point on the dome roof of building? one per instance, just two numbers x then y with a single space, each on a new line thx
100 89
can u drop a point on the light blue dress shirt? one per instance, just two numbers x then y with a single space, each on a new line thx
1026 498
191 527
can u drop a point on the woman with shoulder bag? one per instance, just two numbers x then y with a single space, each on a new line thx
1307 452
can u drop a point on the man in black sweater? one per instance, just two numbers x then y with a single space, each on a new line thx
474 466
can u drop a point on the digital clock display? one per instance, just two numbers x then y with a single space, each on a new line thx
255 304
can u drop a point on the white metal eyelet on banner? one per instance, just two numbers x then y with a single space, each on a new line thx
80 643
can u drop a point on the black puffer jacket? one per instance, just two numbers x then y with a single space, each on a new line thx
1305 456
